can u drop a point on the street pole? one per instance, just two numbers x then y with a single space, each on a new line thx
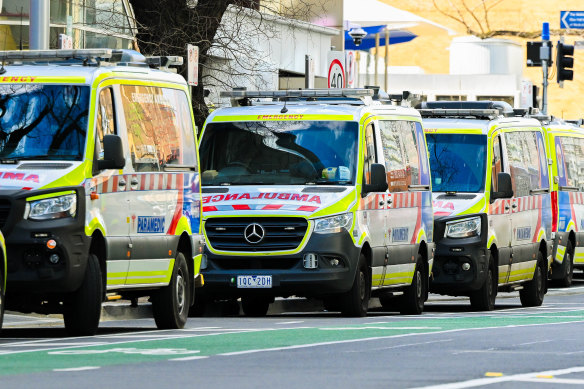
386 57
40 11
376 56
545 55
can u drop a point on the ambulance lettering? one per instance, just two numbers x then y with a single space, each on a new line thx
19 177
267 196
150 224
399 234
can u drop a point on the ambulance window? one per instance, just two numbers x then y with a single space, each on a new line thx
370 156
400 152
573 161
497 165
522 154
159 125
106 123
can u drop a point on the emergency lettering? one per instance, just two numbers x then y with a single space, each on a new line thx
280 117
17 79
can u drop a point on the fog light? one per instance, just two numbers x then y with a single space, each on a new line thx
203 261
466 266
51 244
334 262
54 259
310 261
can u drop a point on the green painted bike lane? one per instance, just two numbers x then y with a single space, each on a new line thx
190 346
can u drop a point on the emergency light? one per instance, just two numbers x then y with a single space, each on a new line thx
307 93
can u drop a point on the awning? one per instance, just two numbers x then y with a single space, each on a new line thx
395 36
368 13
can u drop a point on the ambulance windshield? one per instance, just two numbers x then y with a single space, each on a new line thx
457 162
39 121
279 153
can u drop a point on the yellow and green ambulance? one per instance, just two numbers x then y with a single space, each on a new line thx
99 184
492 201
316 193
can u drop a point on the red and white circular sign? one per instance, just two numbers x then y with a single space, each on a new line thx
336 74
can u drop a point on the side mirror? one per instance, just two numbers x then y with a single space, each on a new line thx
113 153
505 187
378 179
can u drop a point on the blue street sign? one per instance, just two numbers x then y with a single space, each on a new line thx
572 19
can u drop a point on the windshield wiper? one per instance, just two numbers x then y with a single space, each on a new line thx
247 183
44 157
327 182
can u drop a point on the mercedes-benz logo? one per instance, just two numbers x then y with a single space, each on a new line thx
254 233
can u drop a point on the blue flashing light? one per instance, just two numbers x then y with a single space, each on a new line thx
545 33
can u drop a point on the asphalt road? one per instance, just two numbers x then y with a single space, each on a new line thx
446 347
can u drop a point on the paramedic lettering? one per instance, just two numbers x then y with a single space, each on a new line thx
265 196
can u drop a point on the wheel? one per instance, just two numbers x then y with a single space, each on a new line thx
412 301
533 291
355 302
484 298
2 294
567 268
255 306
170 304
82 308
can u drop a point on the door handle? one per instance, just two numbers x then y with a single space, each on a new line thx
514 205
507 208
381 203
389 201
134 182
121 183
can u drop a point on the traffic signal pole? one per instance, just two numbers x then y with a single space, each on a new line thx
545 55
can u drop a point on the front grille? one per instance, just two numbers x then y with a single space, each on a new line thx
4 212
281 233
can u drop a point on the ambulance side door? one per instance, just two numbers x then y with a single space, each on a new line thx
373 211
500 211
401 155
111 207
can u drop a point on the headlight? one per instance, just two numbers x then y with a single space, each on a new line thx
334 223
51 208
464 228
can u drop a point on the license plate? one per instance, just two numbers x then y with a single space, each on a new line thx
254 281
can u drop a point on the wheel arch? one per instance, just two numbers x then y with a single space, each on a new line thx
494 250
186 248
98 247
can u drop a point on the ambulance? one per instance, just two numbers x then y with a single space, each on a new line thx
566 144
99 184
316 193
492 201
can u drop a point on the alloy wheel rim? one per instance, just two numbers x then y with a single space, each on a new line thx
180 291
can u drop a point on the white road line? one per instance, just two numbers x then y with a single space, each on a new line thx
528 343
497 380
61 344
554 381
188 358
290 322
377 328
78 368
399 346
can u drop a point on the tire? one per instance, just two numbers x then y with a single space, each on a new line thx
255 306
484 298
412 301
533 291
170 304
2 295
355 302
567 267
82 308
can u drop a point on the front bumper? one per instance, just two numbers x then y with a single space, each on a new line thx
29 269
448 275
289 277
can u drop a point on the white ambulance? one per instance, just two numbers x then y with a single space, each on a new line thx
316 193
99 184
492 201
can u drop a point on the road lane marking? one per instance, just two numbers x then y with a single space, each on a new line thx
78 368
399 346
188 358
555 381
493 374
290 322
510 378
536 342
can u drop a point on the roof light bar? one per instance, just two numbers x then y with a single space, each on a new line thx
438 112
55 55
308 93
164 61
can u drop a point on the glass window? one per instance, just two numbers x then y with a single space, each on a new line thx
573 161
370 155
497 163
106 123
159 126
400 150
508 99
40 121
457 162
524 162
279 153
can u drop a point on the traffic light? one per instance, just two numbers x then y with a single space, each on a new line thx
565 62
